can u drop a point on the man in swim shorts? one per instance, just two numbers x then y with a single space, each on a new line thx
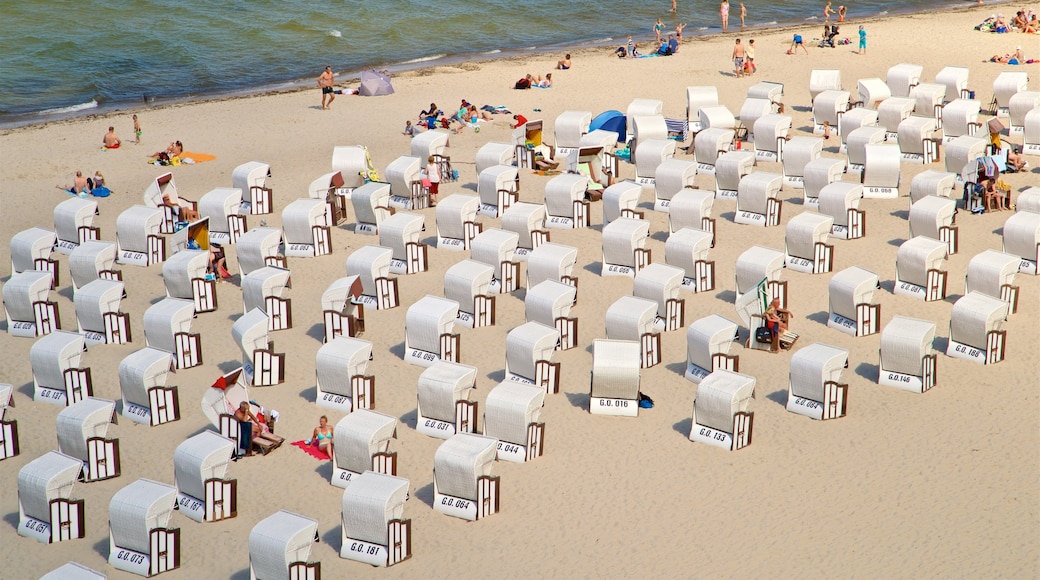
110 141
325 82
738 58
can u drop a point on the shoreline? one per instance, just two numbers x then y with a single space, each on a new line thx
20 121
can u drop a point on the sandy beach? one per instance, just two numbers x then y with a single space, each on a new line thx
943 484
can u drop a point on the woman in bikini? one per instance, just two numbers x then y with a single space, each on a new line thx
322 437
724 13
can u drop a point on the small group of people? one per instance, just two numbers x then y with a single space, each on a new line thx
83 186
534 81
744 58
1016 57
169 156
1025 21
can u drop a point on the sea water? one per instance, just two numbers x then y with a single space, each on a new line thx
60 58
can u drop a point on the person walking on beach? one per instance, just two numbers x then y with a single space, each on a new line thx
749 56
827 12
137 131
325 81
862 40
724 14
738 59
433 174
673 10
743 14
658 29
679 26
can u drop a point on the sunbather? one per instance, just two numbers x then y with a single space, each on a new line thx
322 437
565 63
544 83
1014 160
79 185
110 140
776 321
247 420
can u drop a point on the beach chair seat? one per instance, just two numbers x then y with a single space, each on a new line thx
444 405
814 387
31 250
280 547
806 243
932 183
933 217
841 201
372 265
902 78
721 410
752 110
687 249
955 80
798 152
361 443
200 465
708 145
463 486
498 249
373 529
976 328
493 153
758 201
850 298
469 283
1031 133
167 326
223 207
147 399
343 383
551 261
457 223
993 273
260 247
162 194
661 283
770 136
428 331
406 189
651 154
632 319
74 223
1022 239
708 343
893 111
692 208
341 315
499 188
568 130
1006 85
511 415
27 305
672 176
614 384
401 233
730 168
264 289
916 141
308 228
907 361
696 98
828 108
82 428
46 510
98 315
621 200
818 174
872 92
251 179
566 205
57 376
371 203
919 268
262 365
185 276
529 352
881 176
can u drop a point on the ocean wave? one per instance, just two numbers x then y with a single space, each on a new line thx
771 23
701 28
80 107
424 59
813 18
607 39
496 51
334 33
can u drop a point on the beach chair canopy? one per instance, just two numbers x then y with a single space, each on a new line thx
73 214
851 286
612 122
989 271
772 91
854 119
1007 84
339 360
798 152
813 366
918 255
1020 104
823 79
913 131
402 172
893 110
428 319
904 342
931 183
251 174
629 318
672 175
804 231
278 541
881 165
164 319
872 92
752 110
90 258
200 458
958 116
527 344
955 79
570 126
49 477
95 300
22 291
562 191
769 128
685 247
250 332
643 108
650 154
371 201
930 213
141 370
359 436
352 163
399 230
902 77
756 188
732 167
621 238
181 268
52 354
1029 200
460 461
73 571
961 154
466 280
81 421
615 369
374 83
441 385
220 203
710 143
136 510
821 172
709 336
494 153
300 216
622 195
30 245
549 300
453 212
720 396
135 224
697 97
493 179
600 138
859 139
494 246
429 143
510 408
973 316
255 246
370 263
755 264
550 261
340 292
371 502
717 117
658 282
927 96
269 281
827 106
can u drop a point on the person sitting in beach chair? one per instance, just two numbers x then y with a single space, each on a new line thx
777 318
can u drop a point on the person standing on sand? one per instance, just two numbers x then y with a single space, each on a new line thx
749 55
841 13
738 58
743 14
325 81
827 12
658 29
137 131
862 40
678 32
724 14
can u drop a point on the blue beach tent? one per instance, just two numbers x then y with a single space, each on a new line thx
610 121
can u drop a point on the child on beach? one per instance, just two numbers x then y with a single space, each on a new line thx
137 131
409 129
796 43
862 40
433 175
658 29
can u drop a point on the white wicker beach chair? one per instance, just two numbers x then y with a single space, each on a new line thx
624 247
672 176
933 217
81 429
730 169
632 319
841 200
932 183
341 366
462 481
872 92
185 276
469 283
881 176
919 269
828 108
697 97
822 80
46 510
955 79
903 77
893 111
31 250
200 465
661 283
976 328
8 428
1028 200
74 223
529 352
806 243
565 203
457 223
98 315
751 111
687 249
498 187
649 156
308 228
374 530
568 130
372 265
758 199
27 305
1019 105
756 264
799 152
708 342
341 315
142 381
854 119
1006 85
814 388
259 247
428 335
251 179
906 358
721 415
851 302
527 220
351 161
401 233
708 145
444 406
916 141
162 194
614 384
73 571
371 204
493 153
57 375
962 151
1031 133
770 90
621 200
497 248
263 366
430 143
362 443
857 142
993 273
549 303
717 117
167 326
604 142
93 260
405 177
642 108
511 415
280 547
928 101
223 207
818 174
770 136
554 262
692 208
265 289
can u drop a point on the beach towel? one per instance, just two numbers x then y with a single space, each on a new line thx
196 157
311 450
651 55
101 191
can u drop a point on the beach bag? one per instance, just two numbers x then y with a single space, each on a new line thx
522 84
101 191
763 334
426 182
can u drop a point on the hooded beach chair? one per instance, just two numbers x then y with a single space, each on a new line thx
814 388
280 547
1006 85
362 443
527 141
687 249
73 571
27 305
499 188
185 276
493 153
93 260
962 151
672 175
758 201
457 223
931 183
374 530
167 326
691 208
81 429
976 328
597 145
708 145
353 164
721 415
554 262
550 303
223 398
200 465
697 97
1022 239
401 233
651 154
1019 105
568 130
223 207
916 141
624 247
661 283
806 243
621 200
770 90
161 193
751 111
372 265
851 302
823 80
260 247
906 358
881 175
730 169
444 406
717 117
757 264
511 415
614 382
498 248
1031 133
142 382
928 101
46 510
342 316
856 145
841 200
341 366
263 367
405 177
57 376
8 427
565 203
919 269
828 108
529 352
308 228
770 136
955 80
264 289
632 319
469 283
872 92
251 179
98 315
329 187
434 144
818 174
708 342
853 119
645 128
934 217
1029 200
799 152
893 111
428 335
74 223
371 204
31 250
463 486
903 77
993 273
642 108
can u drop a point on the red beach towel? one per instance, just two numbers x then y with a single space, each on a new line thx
311 450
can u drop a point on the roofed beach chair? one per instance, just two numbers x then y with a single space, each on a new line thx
31 250
823 80
308 228
799 152
46 510
549 303
651 154
770 90
758 199
493 153
893 111
750 112
598 144
828 107
428 335
934 217
955 79
185 277
708 145
919 273
1019 105
463 486
687 249
916 140
730 169
401 233
1031 133
993 273
223 399
976 328
630 318
329 187
624 247
342 316
374 530
498 187
903 77
434 144
872 92
928 101
138 238
881 176
568 130
721 415
372 265
280 547
708 342
371 204
854 119
93 260
621 200
856 145
527 143
98 315
841 201
354 164
200 464
614 382
554 262
756 264
817 174
511 415
457 223
907 361
73 571
361 442
566 205
932 183
529 352
27 305
265 289
814 388
1006 85
260 247
960 151
223 207
697 97
468 282
167 326
661 283
263 367
672 176
717 117
81 429
498 248
851 302
343 383
691 208
642 108
406 189
444 406
161 193
806 243
57 375
74 223
770 136
251 179
1028 200
142 381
